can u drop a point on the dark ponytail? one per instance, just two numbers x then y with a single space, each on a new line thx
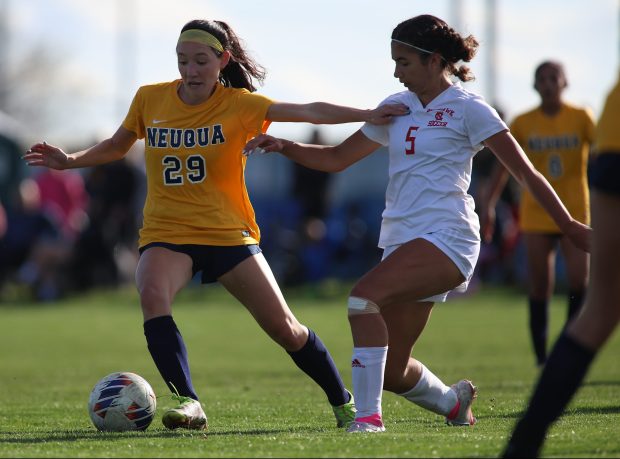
431 33
241 70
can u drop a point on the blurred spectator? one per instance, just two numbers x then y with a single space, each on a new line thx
32 247
310 186
352 238
106 250
310 191
497 262
12 169
64 197
3 222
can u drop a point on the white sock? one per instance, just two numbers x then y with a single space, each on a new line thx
367 368
431 393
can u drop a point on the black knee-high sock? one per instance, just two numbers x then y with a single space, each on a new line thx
315 360
168 350
564 371
539 324
575 301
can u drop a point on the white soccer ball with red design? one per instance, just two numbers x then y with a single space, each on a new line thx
122 401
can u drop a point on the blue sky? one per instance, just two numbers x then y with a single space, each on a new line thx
335 51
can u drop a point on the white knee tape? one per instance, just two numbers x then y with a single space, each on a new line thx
359 305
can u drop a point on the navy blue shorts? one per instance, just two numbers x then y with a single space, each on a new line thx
604 173
212 261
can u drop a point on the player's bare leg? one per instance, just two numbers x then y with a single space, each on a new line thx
388 294
160 274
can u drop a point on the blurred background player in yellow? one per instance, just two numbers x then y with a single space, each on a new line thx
557 138
197 216
584 336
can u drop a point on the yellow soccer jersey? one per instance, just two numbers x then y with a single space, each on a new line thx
196 192
608 128
558 147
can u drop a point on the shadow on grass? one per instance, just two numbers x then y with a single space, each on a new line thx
593 410
75 435
601 383
80 435
567 413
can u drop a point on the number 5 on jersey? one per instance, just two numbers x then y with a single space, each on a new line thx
410 137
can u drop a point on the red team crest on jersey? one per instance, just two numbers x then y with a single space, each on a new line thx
439 116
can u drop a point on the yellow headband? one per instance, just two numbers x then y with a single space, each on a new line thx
201 36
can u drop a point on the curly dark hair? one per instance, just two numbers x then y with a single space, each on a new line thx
433 34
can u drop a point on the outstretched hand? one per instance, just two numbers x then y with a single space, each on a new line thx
580 235
487 224
42 154
263 143
384 114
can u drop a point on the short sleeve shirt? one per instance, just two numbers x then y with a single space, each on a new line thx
558 147
430 163
196 192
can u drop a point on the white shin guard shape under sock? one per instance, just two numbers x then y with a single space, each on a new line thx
431 393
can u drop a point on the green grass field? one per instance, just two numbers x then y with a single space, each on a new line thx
259 404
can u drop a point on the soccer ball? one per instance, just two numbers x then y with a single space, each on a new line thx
122 401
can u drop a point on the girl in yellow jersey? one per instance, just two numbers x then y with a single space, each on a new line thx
577 346
556 136
197 216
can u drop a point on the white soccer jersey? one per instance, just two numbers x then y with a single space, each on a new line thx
431 152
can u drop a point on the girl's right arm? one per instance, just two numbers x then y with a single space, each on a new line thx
106 151
319 157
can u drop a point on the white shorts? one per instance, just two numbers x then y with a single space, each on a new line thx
460 248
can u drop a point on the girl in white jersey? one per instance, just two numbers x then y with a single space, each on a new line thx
430 233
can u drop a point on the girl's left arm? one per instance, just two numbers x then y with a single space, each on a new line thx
512 156
325 113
